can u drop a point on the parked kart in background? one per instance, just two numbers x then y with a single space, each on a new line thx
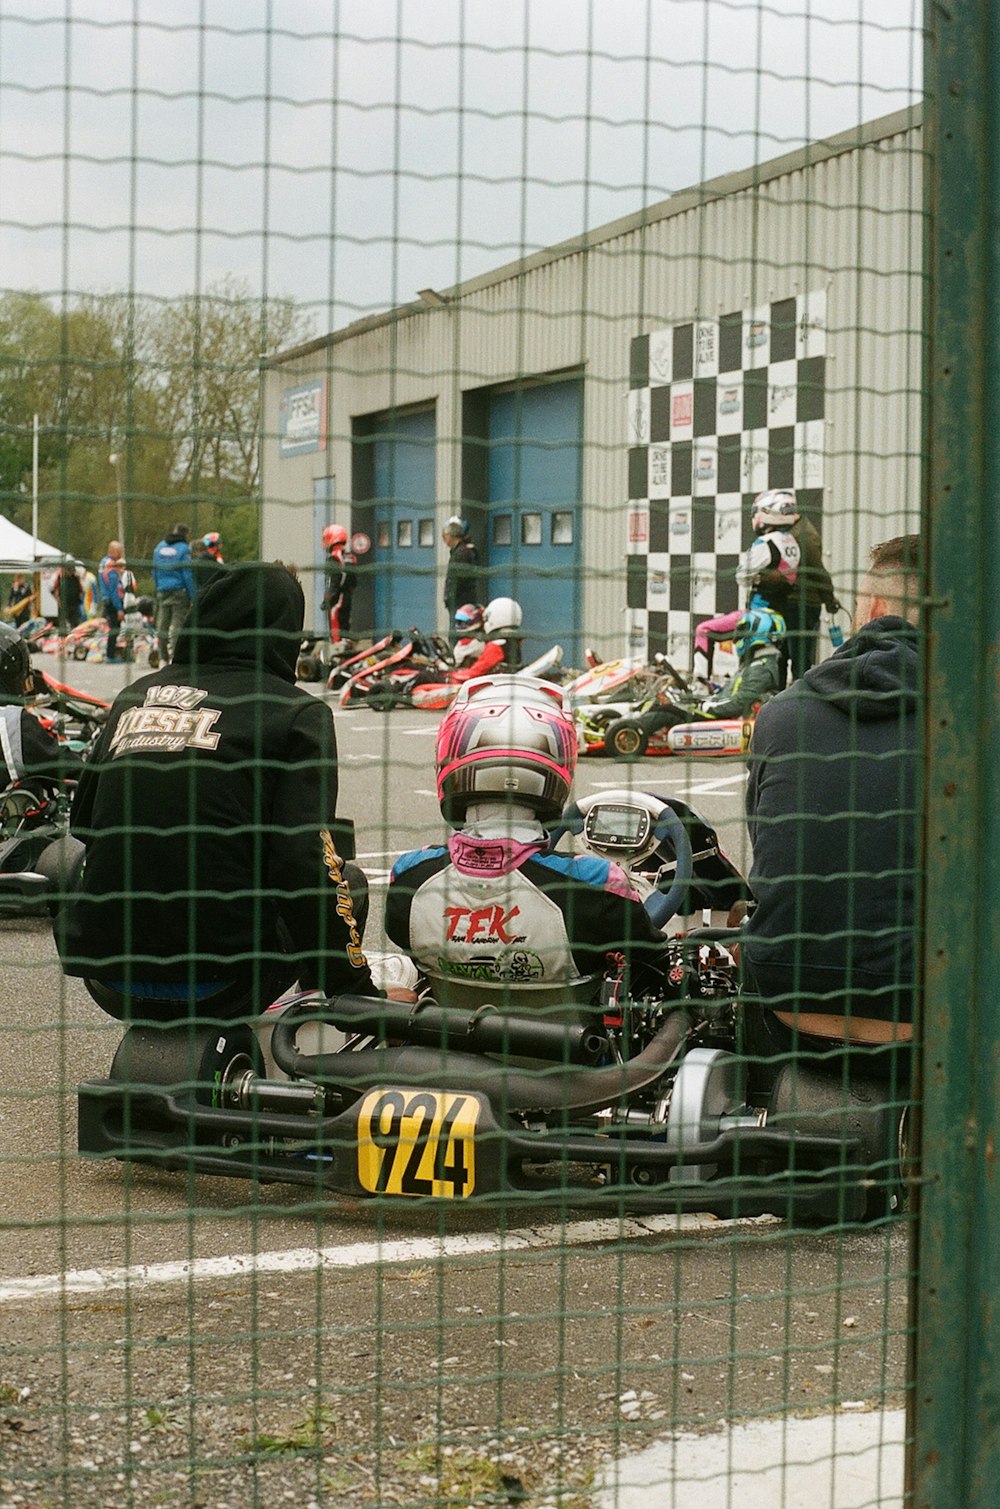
385 683
323 660
137 640
34 815
604 692
75 716
436 695
342 671
658 690
671 719
34 632
628 1091
34 811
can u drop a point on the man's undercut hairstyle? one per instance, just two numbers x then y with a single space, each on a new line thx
898 557
894 574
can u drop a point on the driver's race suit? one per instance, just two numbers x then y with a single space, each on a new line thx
492 909
340 585
28 748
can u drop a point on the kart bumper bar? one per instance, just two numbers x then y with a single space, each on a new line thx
758 1169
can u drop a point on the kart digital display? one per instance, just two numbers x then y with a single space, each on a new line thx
617 826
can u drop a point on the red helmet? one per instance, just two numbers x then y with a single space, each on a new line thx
506 737
334 537
212 541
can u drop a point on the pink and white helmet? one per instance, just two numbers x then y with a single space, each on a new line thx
506 738
777 508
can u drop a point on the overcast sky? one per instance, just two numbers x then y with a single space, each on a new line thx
351 152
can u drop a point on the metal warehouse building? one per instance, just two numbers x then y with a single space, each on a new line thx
600 411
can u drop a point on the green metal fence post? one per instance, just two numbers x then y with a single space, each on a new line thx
955 1454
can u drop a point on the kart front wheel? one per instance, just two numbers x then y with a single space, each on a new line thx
626 739
307 668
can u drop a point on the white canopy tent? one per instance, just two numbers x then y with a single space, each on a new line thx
19 552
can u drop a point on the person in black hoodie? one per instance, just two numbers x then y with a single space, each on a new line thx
832 813
211 873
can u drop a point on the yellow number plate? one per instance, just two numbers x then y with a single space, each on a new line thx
418 1142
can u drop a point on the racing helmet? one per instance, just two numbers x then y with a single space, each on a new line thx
212 541
15 661
758 627
775 509
506 737
334 537
468 618
501 616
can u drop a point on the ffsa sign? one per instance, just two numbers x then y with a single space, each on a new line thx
302 419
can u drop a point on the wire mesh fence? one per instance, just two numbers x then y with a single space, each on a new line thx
438 1091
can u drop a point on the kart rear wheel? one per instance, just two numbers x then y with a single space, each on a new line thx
200 1062
307 668
80 651
626 739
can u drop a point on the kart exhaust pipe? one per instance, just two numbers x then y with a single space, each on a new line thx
543 1090
484 1030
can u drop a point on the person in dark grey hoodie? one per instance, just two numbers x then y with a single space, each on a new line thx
833 819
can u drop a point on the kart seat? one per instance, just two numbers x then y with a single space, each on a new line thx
571 1000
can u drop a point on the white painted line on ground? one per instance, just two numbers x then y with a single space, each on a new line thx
361 1255
846 1459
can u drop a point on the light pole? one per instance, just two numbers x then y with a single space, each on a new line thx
116 462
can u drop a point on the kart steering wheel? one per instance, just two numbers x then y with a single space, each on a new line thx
661 904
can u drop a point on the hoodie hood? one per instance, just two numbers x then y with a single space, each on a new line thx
246 616
873 675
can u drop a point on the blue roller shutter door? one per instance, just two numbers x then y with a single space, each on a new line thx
534 535
404 557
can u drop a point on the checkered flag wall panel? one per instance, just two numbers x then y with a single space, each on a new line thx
718 410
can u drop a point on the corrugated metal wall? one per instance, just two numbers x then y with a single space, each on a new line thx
849 221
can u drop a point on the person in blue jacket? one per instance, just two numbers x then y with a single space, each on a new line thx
173 583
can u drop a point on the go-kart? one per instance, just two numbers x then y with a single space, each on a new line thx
382 678
666 718
626 1090
34 817
323 659
74 716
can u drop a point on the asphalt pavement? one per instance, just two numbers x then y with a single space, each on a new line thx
168 1338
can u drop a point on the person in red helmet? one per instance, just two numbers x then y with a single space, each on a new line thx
206 560
340 581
